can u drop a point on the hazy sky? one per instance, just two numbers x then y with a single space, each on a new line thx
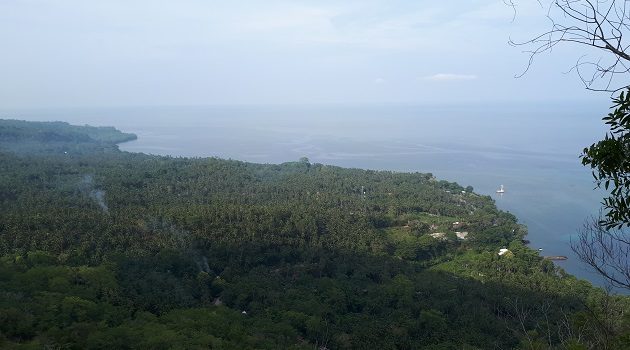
64 53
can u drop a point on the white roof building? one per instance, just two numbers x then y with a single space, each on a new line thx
439 235
503 251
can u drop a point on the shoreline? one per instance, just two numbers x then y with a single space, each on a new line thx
556 257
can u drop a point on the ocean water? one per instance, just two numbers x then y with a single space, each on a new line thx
533 150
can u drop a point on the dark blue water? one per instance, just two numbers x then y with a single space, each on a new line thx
533 150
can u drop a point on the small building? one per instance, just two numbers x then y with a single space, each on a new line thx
462 235
457 225
439 235
503 251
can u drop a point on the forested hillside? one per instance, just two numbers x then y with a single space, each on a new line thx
104 249
53 137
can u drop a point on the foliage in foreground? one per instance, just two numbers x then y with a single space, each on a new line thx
118 250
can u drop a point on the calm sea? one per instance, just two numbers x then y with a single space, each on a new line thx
533 150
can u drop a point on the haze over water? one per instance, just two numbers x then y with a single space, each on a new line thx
532 150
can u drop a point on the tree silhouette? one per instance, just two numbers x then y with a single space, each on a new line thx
598 25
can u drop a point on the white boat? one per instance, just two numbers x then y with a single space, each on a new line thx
501 190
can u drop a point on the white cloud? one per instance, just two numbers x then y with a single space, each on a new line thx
379 81
450 77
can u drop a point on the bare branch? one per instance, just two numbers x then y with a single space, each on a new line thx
598 24
607 251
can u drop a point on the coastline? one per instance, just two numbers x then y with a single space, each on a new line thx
549 191
523 240
555 257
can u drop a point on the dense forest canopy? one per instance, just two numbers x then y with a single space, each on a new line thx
105 249
53 137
